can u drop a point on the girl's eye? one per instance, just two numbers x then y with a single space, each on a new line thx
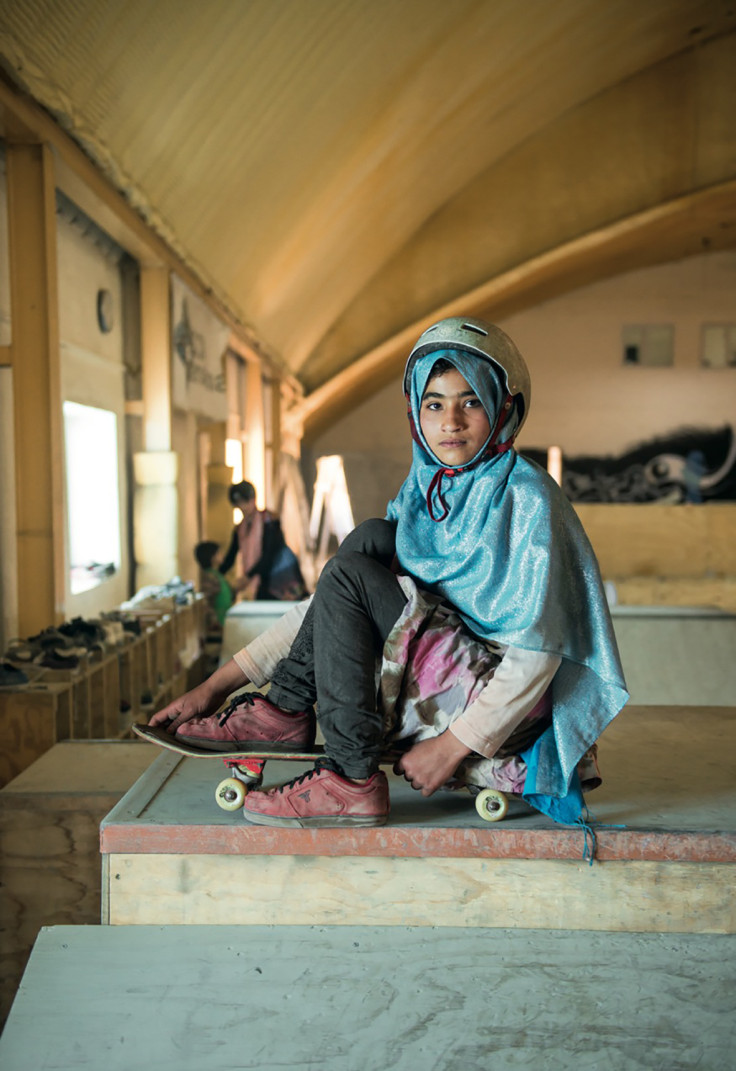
473 403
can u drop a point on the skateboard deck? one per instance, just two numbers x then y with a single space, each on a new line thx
270 751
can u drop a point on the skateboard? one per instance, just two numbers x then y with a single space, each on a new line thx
246 769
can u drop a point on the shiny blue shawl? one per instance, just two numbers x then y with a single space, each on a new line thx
512 557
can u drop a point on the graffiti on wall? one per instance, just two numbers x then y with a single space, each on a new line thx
692 465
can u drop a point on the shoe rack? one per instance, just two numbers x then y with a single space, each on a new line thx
109 689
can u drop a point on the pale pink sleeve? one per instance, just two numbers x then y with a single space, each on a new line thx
520 681
259 659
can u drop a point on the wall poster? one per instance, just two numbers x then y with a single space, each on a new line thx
199 340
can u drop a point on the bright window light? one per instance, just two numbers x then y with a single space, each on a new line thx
331 498
234 458
91 443
554 464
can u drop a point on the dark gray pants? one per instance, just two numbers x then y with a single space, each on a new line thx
333 658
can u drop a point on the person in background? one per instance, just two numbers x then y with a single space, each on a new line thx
270 568
220 593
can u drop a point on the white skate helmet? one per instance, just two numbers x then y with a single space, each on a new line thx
487 341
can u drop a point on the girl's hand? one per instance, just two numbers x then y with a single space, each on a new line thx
430 763
202 701
191 705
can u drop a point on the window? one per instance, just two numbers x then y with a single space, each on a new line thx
93 515
718 348
651 345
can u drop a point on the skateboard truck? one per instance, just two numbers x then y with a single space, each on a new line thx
244 775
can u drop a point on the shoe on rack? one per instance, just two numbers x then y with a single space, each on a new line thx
24 651
11 676
50 638
88 634
320 797
54 660
248 722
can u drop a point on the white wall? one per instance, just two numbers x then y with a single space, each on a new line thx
92 373
583 398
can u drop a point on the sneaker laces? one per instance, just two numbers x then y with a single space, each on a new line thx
319 766
245 699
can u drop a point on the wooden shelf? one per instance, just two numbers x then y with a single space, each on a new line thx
103 697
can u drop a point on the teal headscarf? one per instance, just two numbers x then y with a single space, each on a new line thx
512 557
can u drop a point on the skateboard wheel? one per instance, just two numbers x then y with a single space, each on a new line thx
491 804
230 794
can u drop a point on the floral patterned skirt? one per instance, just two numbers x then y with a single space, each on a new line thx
433 668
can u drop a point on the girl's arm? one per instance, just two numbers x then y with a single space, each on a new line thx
254 664
259 659
520 681
205 699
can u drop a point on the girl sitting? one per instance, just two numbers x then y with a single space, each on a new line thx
480 599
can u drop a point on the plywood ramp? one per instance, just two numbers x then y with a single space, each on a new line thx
334 998
665 848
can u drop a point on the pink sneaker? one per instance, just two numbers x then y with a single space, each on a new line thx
249 721
321 797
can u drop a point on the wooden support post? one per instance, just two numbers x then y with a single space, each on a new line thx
255 462
155 505
273 445
156 358
35 355
219 512
155 516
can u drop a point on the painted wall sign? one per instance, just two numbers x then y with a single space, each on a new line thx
691 465
198 342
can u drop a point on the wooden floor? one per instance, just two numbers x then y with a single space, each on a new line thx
372 999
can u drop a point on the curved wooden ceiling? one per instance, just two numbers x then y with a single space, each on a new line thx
340 171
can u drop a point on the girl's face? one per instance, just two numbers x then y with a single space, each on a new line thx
452 419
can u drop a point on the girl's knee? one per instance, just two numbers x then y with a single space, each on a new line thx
348 571
340 566
375 538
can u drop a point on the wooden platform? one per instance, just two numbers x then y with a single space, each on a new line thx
370 998
49 843
665 851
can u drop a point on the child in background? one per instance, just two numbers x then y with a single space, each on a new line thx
218 591
480 599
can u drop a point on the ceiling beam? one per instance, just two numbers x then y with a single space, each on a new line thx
701 221
23 121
